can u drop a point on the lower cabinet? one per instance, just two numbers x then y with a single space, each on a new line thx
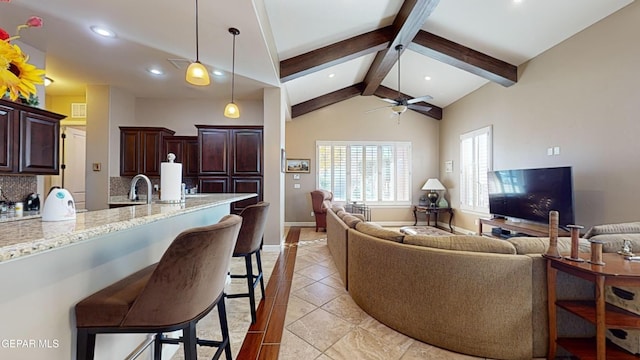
230 184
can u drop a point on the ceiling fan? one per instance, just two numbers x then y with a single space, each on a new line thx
401 103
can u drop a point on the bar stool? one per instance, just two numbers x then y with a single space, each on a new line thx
254 219
170 295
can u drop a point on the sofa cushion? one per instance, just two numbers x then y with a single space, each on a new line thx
376 230
622 228
462 242
613 242
539 245
337 208
351 220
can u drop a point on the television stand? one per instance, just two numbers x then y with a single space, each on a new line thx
531 229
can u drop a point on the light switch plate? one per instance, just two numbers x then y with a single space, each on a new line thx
96 166
296 176
296 186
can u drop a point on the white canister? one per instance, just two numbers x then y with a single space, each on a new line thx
19 208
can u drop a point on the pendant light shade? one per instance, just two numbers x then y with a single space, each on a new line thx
197 73
231 110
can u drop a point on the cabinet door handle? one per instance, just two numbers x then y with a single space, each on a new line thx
620 334
623 294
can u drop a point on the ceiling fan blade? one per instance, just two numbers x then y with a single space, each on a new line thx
420 108
391 101
384 107
418 99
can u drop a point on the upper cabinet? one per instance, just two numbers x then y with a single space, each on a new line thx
29 139
186 150
141 150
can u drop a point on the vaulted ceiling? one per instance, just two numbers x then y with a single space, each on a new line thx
320 52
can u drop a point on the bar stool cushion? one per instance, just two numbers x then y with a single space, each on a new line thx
109 306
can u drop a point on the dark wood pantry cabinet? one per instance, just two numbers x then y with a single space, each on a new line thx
29 139
231 160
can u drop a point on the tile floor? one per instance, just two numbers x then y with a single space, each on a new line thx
308 314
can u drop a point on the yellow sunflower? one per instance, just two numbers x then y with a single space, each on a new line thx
16 75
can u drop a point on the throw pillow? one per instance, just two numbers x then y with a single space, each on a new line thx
472 243
614 242
622 228
351 220
378 231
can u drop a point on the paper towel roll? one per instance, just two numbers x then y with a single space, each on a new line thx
170 181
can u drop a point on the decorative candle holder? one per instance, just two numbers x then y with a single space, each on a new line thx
575 241
552 251
596 252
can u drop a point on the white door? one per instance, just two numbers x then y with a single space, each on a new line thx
73 176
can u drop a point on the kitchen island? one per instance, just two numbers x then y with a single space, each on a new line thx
47 267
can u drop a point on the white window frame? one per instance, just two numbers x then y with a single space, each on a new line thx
347 144
479 186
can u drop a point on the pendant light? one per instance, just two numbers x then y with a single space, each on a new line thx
197 73
231 110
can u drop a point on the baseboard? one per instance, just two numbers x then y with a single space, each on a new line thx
272 248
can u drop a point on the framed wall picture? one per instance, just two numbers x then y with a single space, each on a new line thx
298 165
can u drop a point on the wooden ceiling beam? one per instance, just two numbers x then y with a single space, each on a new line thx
335 54
464 58
410 19
385 92
326 100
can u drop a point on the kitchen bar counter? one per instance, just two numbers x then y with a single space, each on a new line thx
47 267
32 235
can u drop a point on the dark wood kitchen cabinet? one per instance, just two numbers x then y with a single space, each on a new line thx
186 150
231 160
29 139
141 150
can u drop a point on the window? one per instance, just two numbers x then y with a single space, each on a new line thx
371 172
475 161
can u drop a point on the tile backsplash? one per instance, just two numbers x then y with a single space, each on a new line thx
119 185
17 187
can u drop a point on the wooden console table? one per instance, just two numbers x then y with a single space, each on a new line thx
530 229
616 272
428 210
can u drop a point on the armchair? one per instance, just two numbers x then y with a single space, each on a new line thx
319 201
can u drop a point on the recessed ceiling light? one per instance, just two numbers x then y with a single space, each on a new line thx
217 73
427 77
517 1
103 31
332 75
155 71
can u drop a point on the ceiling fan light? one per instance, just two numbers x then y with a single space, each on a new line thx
232 111
399 109
197 74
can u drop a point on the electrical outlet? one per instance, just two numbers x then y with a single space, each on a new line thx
313 214
155 187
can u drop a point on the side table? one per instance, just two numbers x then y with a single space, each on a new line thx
428 210
617 272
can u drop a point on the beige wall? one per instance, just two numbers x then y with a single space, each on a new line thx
348 120
582 96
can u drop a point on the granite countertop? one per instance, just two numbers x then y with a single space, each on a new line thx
31 235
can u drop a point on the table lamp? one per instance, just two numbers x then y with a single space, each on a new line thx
432 186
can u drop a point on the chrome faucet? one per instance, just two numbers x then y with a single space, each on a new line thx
132 190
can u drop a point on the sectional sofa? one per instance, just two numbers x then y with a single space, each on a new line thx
469 294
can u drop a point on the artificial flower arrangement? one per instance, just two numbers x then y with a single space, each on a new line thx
18 78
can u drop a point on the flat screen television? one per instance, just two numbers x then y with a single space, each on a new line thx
529 194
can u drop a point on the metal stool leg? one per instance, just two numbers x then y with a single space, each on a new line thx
252 295
259 261
224 327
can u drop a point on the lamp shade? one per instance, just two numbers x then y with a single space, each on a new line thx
433 184
232 111
197 74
